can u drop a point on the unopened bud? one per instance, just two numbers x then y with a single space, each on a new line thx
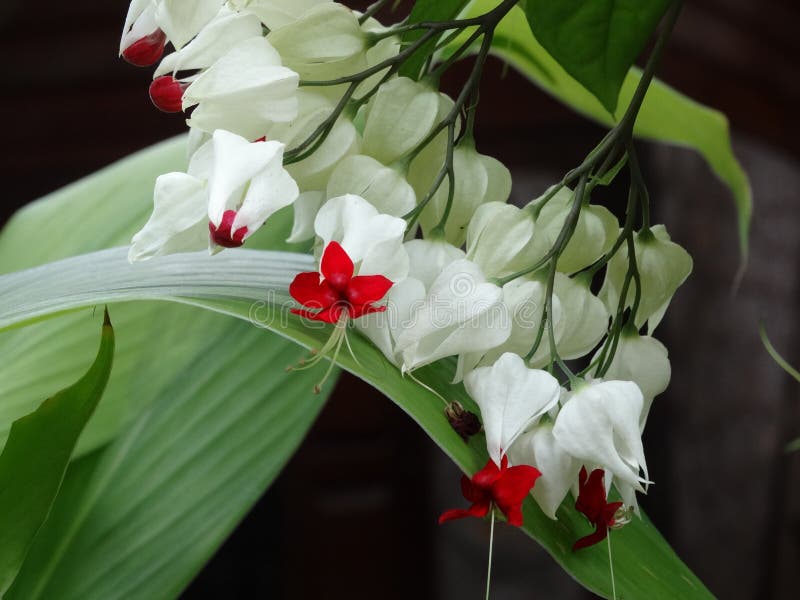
166 92
465 423
224 235
146 51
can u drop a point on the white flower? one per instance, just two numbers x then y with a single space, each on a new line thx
313 172
479 179
245 91
599 425
181 20
306 208
326 42
225 31
462 312
373 241
663 266
511 398
276 13
231 188
384 187
538 447
400 116
497 234
643 360
428 258
594 233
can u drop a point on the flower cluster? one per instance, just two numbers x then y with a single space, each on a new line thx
298 102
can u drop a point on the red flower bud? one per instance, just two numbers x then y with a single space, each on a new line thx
223 235
166 92
146 51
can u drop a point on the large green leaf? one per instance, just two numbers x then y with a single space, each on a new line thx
595 42
666 115
192 458
427 10
140 518
36 455
645 565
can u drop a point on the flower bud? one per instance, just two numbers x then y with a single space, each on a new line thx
383 187
479 179
497 234
166 92
464 422
147 50
595 232
399 117
663 266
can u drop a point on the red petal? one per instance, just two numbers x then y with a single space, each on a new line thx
166 92
590 540
146 51
610 511
224 235
366 289
476 510
336 266
329 315
367 309
487 475
592 495
511 488
473 492
309 291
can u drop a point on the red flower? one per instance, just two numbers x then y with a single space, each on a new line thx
146 51
592 503
338 291
504 487
166 92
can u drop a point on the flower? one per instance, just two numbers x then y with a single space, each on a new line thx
505 488
166 93
599 425
592 503
511 398
233 186
663 266
338 293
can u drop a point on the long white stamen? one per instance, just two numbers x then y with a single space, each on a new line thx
491 546
611 568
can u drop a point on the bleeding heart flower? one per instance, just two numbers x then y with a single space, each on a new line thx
592 503
505 487
338 293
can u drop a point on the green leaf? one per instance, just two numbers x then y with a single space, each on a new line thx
666 115
782 362
36 455
140 518
645 565
151 499
427 10
596 42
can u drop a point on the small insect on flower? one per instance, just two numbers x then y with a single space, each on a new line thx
504 487
336 297
592 503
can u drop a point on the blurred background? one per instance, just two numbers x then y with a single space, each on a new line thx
354 513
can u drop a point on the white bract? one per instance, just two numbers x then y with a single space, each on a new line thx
479 179
599 425
245 91
306 208
511 398
231 188
277 13
643 360
313 172
594 233
373 241
212 43
181 20
461 312
538 447
384 187
398 118
428 258
326 42
663 266
497 234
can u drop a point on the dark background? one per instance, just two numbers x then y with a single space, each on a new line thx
353 515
